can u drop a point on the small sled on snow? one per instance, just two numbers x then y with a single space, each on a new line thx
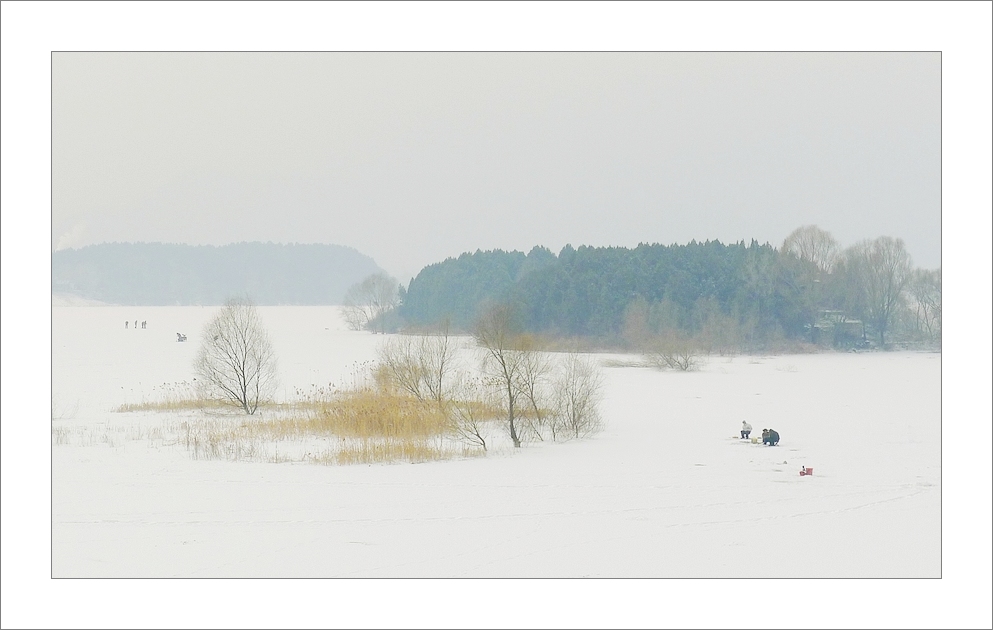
806 472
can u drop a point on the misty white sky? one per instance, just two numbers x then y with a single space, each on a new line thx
414 157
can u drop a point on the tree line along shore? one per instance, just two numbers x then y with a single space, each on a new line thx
709 296
706 296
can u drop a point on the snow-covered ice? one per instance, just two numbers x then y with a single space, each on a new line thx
667 490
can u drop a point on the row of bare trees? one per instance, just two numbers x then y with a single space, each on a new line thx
535 394
543 395
873 280
844 296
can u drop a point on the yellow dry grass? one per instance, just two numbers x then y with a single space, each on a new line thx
377 451
358 426
370 413
370 424
182 396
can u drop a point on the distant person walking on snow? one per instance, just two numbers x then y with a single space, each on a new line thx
143 322
746 429
126 324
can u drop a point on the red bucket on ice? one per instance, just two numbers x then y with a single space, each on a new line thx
806 471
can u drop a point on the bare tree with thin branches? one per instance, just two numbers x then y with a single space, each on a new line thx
503 360
812 244
236 362
538 394
925 290
367 303
468 411
578 390
876 274
673 351
533 384
420 365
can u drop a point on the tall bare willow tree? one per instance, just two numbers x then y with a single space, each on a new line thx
875 274
504 361
814 245
578 392
809 256
367 303
422 366
236 362
537 392
925 291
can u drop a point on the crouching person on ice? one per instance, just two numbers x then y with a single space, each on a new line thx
770 437
746 429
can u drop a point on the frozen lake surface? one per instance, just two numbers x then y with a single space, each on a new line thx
665 491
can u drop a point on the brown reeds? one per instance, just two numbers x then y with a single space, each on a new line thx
356 426
391 450
443 413
369 413
183 396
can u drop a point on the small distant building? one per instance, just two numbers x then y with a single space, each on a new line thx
835 328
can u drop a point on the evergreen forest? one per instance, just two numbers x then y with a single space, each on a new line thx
720 297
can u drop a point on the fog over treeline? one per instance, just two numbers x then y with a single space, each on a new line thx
710 296
169 274
716 297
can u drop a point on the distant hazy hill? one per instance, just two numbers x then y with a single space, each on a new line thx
168 274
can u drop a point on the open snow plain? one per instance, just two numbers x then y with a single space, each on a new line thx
665 491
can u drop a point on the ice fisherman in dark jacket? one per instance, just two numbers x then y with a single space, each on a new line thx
773 437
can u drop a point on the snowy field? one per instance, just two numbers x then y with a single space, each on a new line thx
665 491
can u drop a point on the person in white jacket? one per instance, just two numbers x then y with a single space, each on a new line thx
745 429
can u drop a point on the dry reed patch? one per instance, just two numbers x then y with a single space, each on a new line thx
363 414
407 450
182 396
326 426
374 414
363 426
186 396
